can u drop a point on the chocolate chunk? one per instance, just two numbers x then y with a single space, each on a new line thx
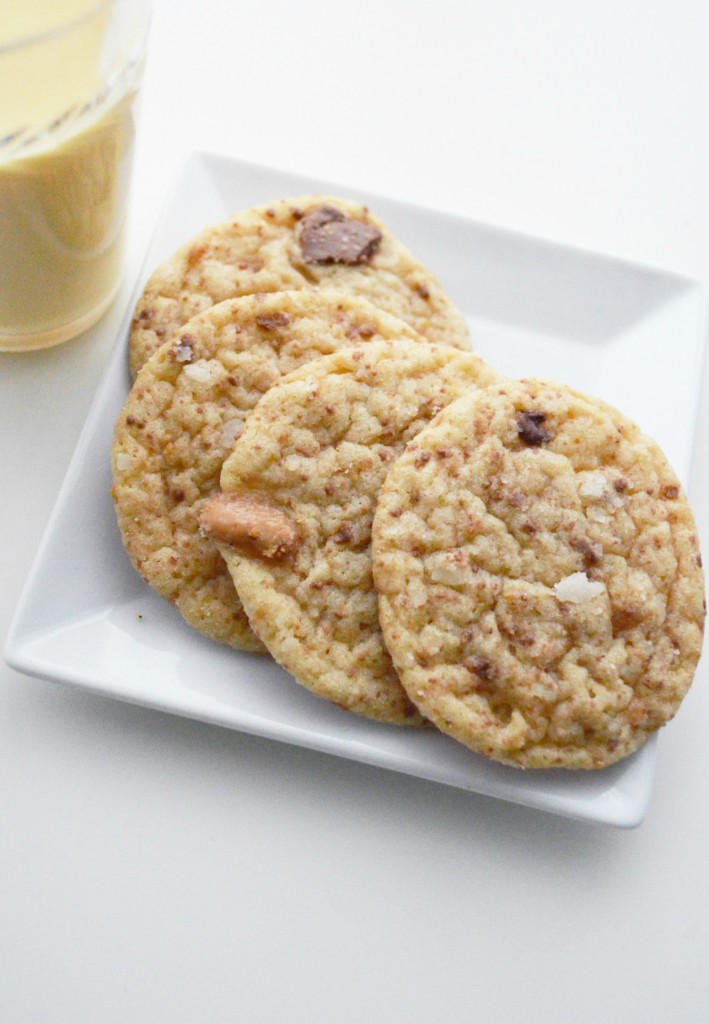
530 430
591 552
269 321
483 674
344 535
480 666
320 216
328 236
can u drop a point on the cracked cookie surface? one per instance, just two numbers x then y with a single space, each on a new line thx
311 241
183 414
312 457
540 581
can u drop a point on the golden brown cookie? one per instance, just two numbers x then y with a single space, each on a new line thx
313 241
299 492
185 410
540 582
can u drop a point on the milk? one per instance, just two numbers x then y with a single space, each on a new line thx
67 101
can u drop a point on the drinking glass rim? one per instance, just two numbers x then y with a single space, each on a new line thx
63 27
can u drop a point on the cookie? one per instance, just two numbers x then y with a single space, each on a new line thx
299 492
184 412
314 241
540 581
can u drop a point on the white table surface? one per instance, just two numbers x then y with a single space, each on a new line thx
155 870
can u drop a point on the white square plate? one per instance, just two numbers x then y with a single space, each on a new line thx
629 334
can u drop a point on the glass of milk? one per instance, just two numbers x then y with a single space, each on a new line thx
69 76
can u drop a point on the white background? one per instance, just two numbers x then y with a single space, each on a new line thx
159 871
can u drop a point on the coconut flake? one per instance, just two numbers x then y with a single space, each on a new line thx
183 353
230 431
578 588
308 387
597 515
594 485
445 568
198 372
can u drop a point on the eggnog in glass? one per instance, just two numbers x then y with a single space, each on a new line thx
69 76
